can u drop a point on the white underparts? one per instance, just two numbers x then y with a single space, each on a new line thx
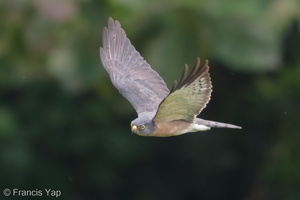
195 128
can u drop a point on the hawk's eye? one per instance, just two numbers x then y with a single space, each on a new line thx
143 127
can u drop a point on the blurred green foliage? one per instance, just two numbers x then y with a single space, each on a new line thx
64 126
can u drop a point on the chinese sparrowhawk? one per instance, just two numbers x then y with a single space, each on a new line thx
161 112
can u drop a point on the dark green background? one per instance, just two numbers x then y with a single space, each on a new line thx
64 126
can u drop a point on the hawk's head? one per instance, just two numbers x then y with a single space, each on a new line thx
142 126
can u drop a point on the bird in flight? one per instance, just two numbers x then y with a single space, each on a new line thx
161 113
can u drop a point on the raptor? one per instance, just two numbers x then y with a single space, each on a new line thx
161 112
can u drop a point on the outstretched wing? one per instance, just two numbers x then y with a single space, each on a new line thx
129 72
187 98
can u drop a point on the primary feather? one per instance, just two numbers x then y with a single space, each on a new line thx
130 73
187 98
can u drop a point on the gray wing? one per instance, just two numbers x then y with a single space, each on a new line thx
129 72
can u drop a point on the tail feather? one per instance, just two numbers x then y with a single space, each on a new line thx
214 124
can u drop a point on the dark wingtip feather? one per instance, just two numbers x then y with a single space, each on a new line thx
174 86
196 67
196 72
184 74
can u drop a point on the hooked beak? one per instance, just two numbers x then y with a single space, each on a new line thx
134 128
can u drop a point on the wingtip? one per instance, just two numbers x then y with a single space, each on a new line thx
196 72
114 24
111 20
206 62
174 86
